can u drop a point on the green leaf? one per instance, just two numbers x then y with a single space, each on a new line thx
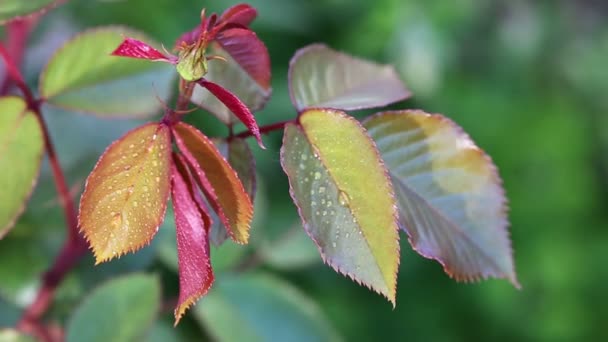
83 77
13 9
126 194
12 335
21 149
260 307
291 250
230 75
344 197
119 310
322 77
450 198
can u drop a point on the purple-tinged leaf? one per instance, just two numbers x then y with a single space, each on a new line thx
450 198
248 51
182 167
236 106
133 48
189 37
241 14
195 272
325 78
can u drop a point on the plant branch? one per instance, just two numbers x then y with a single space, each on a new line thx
75 246
264 129
16 37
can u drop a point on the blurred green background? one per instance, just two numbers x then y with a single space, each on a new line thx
528 80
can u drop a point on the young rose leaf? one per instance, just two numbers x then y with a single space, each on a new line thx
195 273
21 149
15 9
83 76
344 197
126 194
239 156
241 14
133 48
322 77
450 198
227 196
249 52
236 106
121 309
264 308
230 75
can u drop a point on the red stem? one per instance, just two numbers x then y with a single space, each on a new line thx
264 129
75 246
16 37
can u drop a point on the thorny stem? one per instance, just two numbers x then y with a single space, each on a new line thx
264 129
75 246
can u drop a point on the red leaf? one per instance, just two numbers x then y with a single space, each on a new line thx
182 167
236 106
189 37
195 272
248 51
134 48
241 14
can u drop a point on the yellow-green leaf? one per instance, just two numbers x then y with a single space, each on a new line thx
450 198
82 76
21 149
126 194
14 9
233 204
344 197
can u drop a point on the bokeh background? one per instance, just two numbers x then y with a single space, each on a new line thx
528 80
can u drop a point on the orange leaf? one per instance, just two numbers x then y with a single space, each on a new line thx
231 201
126 194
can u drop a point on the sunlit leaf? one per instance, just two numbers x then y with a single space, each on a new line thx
344 197
12 335
322 77
231 76
232 203
249 52
21 149
239 155
120 310
82 76
126 194
13 9
450 197
134 48
195 273
260 307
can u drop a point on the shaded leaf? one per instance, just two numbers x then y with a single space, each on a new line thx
236 106
21 149
14 9
231 76
82 76
239 156
450 198
133 48
241 14
249 52
195 273
349 213
121 309
231 202
291 250
322 77
126 194
264 308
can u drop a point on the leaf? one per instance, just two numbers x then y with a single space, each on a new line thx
241 14
236 106
15 9
244 46
291 250
240 158
195 273
231 76
119 310
344 197
232 203
12 335
322 77
21 149
82 76
134 48
261 307
126 194
450 198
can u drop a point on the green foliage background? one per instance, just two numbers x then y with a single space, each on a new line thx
526 79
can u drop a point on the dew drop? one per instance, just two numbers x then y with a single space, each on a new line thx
317 175
321 189
127 167
302 166
135 204
304 156
334 244
343 198
154 137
